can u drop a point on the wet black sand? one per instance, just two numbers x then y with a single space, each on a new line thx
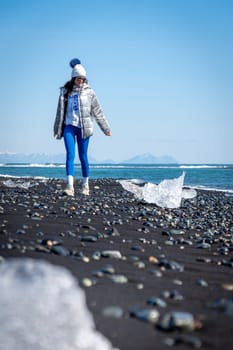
190 268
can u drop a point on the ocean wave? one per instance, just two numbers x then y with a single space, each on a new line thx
103 166
32 165
121 166
160 166
133 166
199 166
7 176
214 189
45 165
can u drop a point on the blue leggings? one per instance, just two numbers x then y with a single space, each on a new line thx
72 133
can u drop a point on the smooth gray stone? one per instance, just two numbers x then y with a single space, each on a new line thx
177 232
183 321
92 239
203 245
51 241
156 302
202 283
59 250
108 269
119 279
113 311
116 254
148 315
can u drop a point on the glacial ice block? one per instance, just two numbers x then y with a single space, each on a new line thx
167 194
43 308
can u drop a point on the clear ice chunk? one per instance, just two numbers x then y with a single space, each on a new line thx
43 308
16 183
167 194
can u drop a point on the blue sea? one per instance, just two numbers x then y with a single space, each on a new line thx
209 176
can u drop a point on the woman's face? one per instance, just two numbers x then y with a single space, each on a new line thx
79 81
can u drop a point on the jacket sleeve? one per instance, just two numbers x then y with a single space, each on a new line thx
97 112
59 119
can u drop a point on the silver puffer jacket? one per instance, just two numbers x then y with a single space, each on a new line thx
89 108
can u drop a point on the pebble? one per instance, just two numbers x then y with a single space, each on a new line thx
113 311
40 234
85 259
169 242
133 258
51 241
156 273
176 320
113 231
147 315
222 304
71 234
189 340
92 239
60 250
20 232
203 245
98 273
223 250
138 248
228 263
88 227
140 286
41 248
120 279
176 232
174 294
153 260
88 282
228 286
139 264
111 254
177 282
96 255
202 283
171 264
108 269
205 260
156 302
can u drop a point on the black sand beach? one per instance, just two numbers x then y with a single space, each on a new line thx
180 259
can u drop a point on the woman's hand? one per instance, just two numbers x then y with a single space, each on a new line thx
108 133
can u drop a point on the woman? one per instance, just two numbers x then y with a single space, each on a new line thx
77 106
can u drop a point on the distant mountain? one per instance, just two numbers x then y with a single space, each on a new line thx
35 158
42 158
106 161
148 158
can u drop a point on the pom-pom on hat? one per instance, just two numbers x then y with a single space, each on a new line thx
78 70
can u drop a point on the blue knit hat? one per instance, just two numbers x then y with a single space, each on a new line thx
78 70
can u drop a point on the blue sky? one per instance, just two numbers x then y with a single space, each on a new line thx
162 70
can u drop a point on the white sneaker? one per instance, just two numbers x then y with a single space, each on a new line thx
85 190
69 191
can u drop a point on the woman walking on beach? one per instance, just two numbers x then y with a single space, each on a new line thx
77 106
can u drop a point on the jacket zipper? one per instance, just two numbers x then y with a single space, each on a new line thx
80 112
